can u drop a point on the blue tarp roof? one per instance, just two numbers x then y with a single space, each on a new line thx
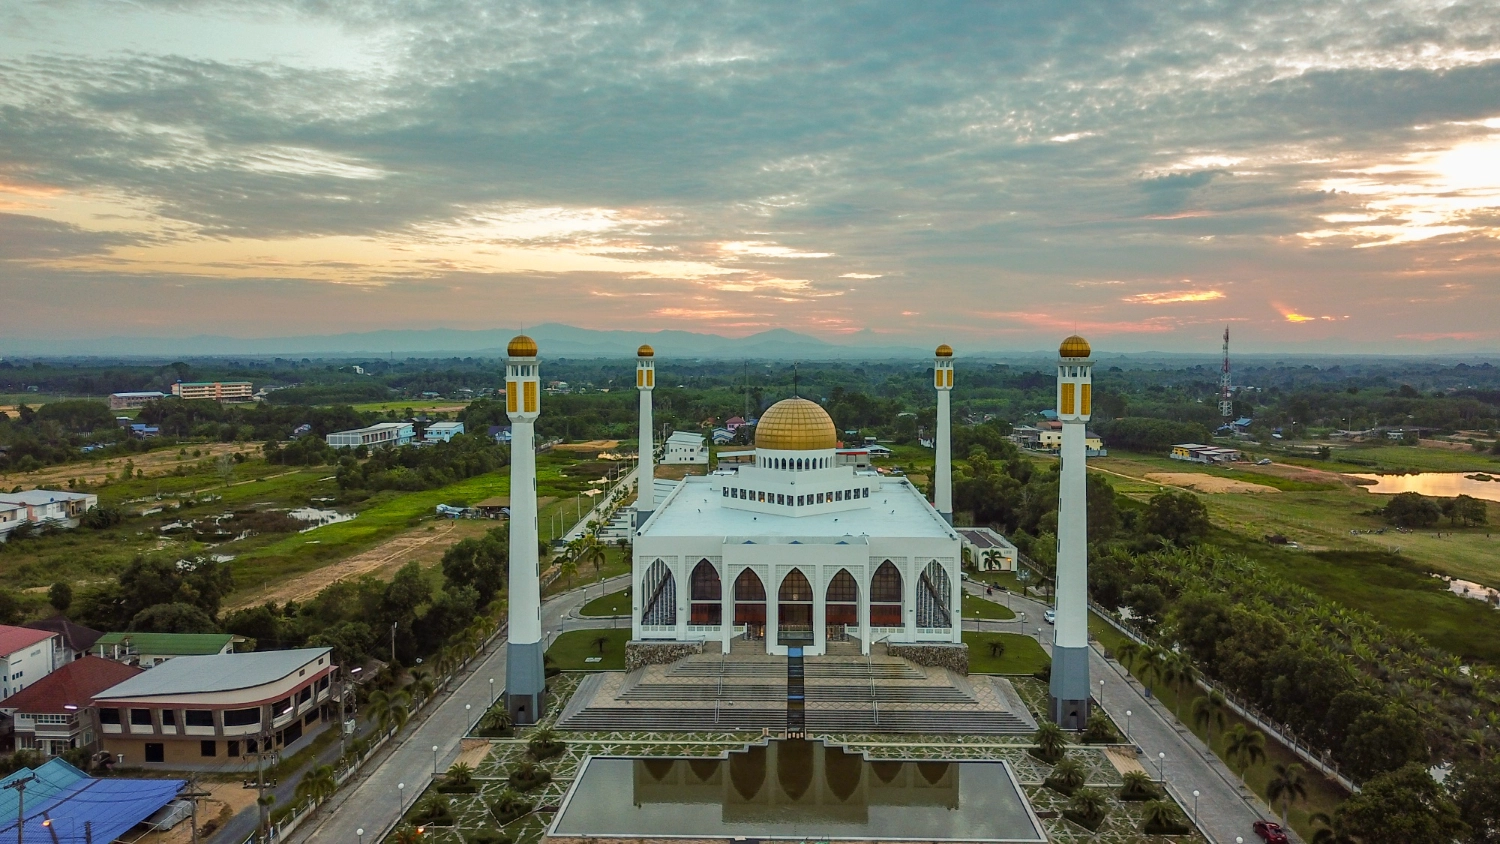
76 802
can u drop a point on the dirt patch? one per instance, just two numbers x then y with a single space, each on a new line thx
1445 444
589 447
161 462
225 801
678 471
420 545
1206 483
472 751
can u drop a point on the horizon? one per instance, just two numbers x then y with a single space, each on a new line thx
995 177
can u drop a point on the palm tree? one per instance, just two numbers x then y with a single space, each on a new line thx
1160 814
568 568
1177 670
1128 652
1328 830
1067 776
421 687
1244 747
1287 785
992 558
1208 711
594 553
1090 806
1137 785
460 774
389 710
1051 742
408 835
600 642
317 785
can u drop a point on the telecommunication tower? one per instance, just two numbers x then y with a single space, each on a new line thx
1226 401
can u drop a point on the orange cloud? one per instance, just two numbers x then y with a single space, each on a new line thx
1291 315
1174 297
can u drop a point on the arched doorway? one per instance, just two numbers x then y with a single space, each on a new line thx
842 601
794 609
934 591
885 597
705 593
659 589
750 604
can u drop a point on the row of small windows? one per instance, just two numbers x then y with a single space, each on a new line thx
799 464
795 500
523 371
1072 371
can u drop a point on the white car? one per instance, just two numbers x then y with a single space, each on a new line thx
1051 616
1264 461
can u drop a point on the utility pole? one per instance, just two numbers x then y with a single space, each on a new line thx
393 641
264 833
193 794
20 786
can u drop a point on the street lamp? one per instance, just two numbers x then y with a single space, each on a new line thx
1101 693
434 761
1161 761
401 797
492 691
1195 806
361 833
1127 725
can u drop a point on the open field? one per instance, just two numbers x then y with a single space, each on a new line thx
402 406
1200 482
589 448
95 472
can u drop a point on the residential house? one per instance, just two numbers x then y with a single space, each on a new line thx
44 506
209 710
442 431
500 434
25 657
53 715
149 649
685 447
988 550
74 640
383 433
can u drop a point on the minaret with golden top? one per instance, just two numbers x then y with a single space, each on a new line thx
525 680
1070 690
942 476
645 382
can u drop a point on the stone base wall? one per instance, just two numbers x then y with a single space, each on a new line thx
954 657
639 654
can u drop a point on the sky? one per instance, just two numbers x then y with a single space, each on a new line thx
1318 176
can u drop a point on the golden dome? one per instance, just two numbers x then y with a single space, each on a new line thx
1075 347
521 346
645 352
796 425
945 351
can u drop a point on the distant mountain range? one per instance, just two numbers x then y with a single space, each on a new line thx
556 341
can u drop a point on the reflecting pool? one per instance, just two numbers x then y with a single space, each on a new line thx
1441 484
796 789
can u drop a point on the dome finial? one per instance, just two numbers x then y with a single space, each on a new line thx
1074 347
521 346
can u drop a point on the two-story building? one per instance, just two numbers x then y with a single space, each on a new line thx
73 639
442 432
208 710
685 447
375 436
53 715
25 657
44 506
148 649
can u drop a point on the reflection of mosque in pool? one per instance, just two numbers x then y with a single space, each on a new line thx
797 780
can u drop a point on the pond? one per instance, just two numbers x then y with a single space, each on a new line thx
316 518
800 790
1442 484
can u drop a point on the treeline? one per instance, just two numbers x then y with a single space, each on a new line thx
410 468
249 421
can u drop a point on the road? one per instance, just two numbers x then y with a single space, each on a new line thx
1225 808
379 795
601 503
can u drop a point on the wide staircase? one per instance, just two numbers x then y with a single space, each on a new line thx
831 694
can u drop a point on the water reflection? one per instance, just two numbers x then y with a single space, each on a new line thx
799 789
1440 484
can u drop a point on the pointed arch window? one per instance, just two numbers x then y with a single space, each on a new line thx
705 592
660 591
749 599
843 600
934 589
885 596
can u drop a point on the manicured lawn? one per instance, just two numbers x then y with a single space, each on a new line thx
1022 654
570 651
615 603
977 607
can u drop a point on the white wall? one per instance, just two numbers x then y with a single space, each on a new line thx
27 666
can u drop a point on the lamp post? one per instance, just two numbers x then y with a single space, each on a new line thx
401 798
361 833
1127 725
1101 693
1161 761
1195 806
434 761
492 691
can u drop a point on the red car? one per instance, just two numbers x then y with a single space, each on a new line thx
1270 832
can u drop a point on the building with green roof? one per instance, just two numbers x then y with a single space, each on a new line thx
148 649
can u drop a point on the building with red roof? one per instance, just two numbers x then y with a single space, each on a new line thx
25 657
53 714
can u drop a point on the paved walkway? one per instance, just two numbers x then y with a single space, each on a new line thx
1226 809
375 798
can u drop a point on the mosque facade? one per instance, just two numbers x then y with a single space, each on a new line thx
794 550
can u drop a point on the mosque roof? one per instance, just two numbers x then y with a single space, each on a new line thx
796 425
698 508
1074 347
645 351
521 346
945 351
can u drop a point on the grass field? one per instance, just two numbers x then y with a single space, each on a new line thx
613 604
1022 654
1322 794
976 607
571 650
402 406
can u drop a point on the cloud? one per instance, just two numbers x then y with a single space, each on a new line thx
1174 297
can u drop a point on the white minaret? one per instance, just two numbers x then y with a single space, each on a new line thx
645 382
525 680
942 476
1070 689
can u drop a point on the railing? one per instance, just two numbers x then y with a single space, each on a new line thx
1316 757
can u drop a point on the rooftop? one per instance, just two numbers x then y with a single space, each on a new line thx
216 673
74 684
42 496
14 639
181 644
74 635
983 537
696 508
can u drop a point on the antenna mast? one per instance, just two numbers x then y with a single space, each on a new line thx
1226 401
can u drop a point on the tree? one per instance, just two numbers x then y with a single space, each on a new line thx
389 710
1146 602
1210 710
1287 785
1476 791
460 774
1087 808
481 563
1161 818
1382 741
1465 510
60 596
1051 742
1067 776
1411 510
1404 806
317 785
1179 517
600 642
1137 785
173 618
1244 747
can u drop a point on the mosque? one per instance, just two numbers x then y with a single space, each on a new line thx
795 550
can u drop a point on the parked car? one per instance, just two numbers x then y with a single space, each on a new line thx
1270 832
1051 616
1264 461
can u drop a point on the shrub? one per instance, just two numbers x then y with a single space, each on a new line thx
1099 730
1162 818
1051 743
1088 808
544 745
509 806
1138 787
529 776
1067 777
